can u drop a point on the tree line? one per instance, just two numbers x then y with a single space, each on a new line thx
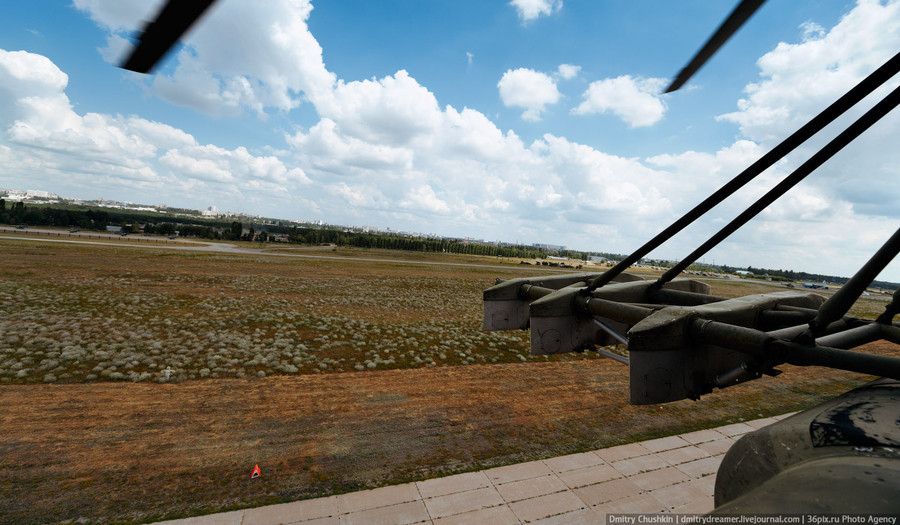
133 222
213 229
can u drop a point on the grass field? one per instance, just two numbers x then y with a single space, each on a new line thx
332 375
73 314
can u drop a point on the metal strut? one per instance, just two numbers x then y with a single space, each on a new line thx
682 341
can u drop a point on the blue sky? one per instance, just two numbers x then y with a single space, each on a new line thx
529 121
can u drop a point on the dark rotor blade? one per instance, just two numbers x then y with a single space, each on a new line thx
160 35
731 24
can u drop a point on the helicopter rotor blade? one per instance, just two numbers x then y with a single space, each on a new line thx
731 24
158 37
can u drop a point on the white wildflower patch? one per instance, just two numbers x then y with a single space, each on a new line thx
122 325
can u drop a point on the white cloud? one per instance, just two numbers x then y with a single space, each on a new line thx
118 15
391 111
529 10
634 100
424 197
56 146
602 184
27 73
568 71
529 89
218 164
326 148
812 30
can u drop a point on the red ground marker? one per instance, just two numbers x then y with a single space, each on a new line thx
256 472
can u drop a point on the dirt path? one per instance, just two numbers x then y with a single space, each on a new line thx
137 451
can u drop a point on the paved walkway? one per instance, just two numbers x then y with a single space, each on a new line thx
672 474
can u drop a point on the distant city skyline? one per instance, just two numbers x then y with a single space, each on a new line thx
522 119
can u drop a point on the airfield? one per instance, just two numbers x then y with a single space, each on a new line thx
334 370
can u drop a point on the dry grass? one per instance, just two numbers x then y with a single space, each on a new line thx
73 314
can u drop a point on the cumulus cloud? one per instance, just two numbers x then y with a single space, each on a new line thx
529 10
327 148
529 89
222 165
389 111
634 100
424 197
56 145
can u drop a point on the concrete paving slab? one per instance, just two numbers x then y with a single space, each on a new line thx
603 510
530 488
501 515
589 476
532 469
717 447
607 491
764 422
680 494
573 461
401 514
736 429
708 483
380 497
462 502
639 504
636 465
700 467
698 506
683 454
331 520
659 478
782 416
452 484
292 512
546 506
702 436
621 452
666 443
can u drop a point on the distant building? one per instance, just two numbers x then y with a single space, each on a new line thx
549 247
40 194
15 195
212 211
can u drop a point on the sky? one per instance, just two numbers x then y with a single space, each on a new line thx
530 121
